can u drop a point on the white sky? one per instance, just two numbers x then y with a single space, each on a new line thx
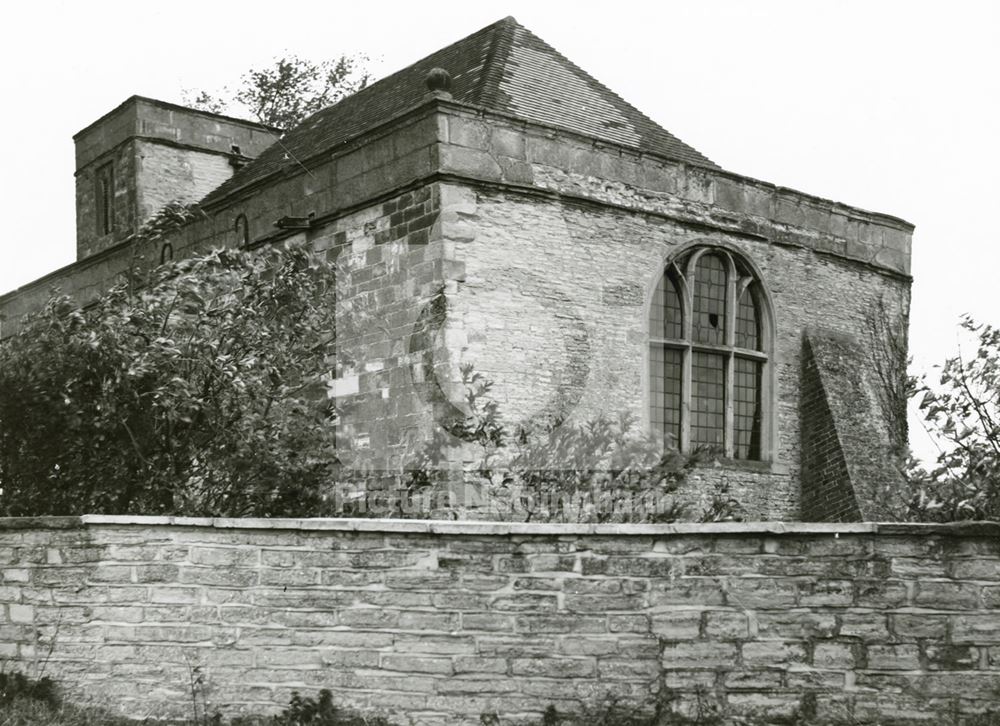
889 106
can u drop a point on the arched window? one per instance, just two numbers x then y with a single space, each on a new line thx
709 355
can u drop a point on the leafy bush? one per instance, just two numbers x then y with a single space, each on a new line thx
963 412
29 702
195 395
306 711
34 702
31 712
602 470
14 686
722 507
614 712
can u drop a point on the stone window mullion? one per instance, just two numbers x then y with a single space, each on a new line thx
728 433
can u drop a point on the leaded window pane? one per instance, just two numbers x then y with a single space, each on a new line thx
665 402
665 315
710 300
746 408
708 399
747 322
706 387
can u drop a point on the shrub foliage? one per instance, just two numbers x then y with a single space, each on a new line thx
195 394
604 469
963 412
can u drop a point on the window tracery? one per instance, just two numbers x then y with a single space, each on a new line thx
709 355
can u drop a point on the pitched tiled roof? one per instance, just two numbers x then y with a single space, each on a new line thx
503 67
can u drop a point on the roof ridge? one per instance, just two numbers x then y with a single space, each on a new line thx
496 60
394 76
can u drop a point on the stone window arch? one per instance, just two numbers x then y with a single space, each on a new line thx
711 355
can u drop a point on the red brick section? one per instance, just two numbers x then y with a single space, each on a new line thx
827 495
436 622
849 471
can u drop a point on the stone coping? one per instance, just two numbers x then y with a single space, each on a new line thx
483 528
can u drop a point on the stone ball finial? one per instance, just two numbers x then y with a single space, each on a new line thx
438 80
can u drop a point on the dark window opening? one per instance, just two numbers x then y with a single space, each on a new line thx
105 198
746 414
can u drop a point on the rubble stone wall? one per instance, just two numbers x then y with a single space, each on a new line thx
438 622
553 307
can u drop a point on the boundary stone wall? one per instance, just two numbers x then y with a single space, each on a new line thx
438 622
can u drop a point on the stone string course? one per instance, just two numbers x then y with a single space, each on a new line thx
436 622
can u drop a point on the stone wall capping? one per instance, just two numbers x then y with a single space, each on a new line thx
137 99
485 528
953 529
851 212
8 523
434 105
552 132
414 114
142 520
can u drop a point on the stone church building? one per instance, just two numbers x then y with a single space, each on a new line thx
495 205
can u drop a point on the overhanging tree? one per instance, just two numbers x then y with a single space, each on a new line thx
963 412
288 91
